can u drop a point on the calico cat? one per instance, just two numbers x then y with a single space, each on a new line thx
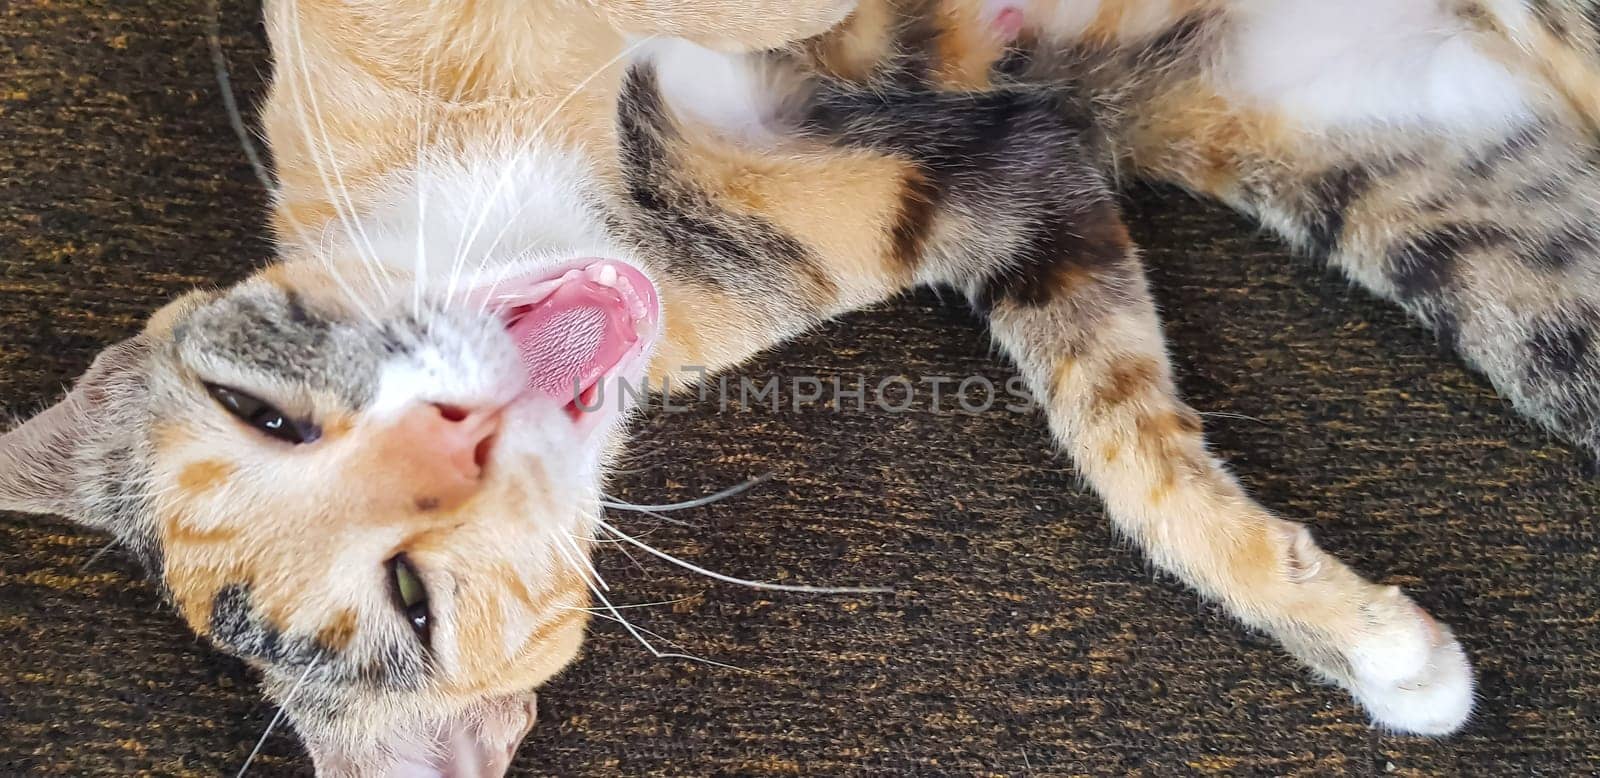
369 472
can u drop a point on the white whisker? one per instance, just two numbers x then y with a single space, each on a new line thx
276 717
580 559
631 605
96 555
695 503
625 552
598 613
470 238
616 615
636 543
622 506
230 102
1228 415
347 215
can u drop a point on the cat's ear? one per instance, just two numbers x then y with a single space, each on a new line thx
40 459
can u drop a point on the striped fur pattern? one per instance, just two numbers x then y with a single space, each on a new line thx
972 144
1481 225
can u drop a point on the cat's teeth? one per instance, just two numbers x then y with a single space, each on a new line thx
631 297
606 275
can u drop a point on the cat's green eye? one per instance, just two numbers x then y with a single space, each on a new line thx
410 596
262 416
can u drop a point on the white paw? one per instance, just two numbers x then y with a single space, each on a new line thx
1411 675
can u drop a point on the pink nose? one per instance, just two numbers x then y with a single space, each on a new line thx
444 450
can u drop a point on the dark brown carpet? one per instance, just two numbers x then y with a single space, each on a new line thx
1027 637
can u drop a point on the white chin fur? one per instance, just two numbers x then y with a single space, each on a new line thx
1413 676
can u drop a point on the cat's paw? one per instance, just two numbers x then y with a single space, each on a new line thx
1411 674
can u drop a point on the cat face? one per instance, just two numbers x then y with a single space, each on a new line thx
377 492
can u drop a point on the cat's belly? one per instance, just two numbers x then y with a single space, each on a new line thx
1368 61
1320 63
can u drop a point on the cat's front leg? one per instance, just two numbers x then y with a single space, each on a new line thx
1082 326
728 24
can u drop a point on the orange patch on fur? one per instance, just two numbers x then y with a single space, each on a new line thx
548 630
1255 556
1167 440
338 632
1202 139
1063 373
335 426
853 50
480 636
965 49
1127 380
194 584
163 321
178 531
1071 278
682 343
197 478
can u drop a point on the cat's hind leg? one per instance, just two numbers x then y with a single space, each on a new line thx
1014 209
1077 318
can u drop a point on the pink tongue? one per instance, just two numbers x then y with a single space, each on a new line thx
573 337
559 350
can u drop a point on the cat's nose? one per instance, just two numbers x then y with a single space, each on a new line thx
449 447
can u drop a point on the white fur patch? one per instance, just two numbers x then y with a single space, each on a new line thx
1368 61
1413 676
739 96
469 215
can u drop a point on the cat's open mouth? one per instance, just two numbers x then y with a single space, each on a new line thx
580 325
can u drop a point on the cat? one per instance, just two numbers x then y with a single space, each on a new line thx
365 470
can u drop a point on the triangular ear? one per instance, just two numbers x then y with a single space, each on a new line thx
39 459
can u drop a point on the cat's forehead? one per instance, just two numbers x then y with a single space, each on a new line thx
266 330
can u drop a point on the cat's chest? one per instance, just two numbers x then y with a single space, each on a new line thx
459 212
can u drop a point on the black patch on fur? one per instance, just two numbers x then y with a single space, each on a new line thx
736 252
919 206
273 332
1447 330
1590 466
297 308
1560 348
1426 264
1330 196
236 626
1094 246
1175 42
1018 154
1513 147
1570 243
1017 60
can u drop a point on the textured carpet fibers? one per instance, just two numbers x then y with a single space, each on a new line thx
1026 637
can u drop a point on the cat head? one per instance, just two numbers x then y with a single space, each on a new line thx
376 492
